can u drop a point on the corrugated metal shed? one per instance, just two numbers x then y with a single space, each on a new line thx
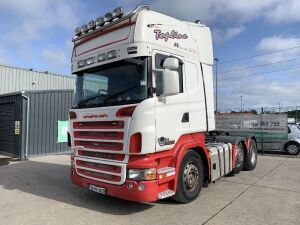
13 79
46 108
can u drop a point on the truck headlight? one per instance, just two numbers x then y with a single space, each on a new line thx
142 174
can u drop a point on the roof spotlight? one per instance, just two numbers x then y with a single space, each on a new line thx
99 21
108 17
77 31
84 28
118 12
91 25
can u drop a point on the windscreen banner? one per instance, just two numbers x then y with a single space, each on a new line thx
262 125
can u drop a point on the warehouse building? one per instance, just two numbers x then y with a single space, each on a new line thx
33 112
13 79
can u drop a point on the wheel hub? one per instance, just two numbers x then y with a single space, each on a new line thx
191 176
292 149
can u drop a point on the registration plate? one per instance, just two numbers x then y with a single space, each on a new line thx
99 190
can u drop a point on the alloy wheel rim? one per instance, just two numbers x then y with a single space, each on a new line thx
191 176
292 149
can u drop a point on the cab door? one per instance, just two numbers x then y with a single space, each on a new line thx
172 116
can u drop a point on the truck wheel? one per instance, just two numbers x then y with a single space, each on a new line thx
251 156
239 158
190 178
292 148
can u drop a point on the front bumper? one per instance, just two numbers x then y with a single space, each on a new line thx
149 194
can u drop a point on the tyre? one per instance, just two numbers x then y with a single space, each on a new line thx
292 148
190 178
239 158
251 156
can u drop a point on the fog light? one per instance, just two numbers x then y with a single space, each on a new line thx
142 187
130 186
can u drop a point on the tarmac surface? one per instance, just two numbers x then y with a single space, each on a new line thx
39 191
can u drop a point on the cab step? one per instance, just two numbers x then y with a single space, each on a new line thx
165 194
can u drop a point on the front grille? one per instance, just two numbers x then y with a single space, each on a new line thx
103 171
99 135
99 166
101 176
100 153
100 145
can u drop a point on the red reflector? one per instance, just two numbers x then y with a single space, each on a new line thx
72 115
125 112
135 145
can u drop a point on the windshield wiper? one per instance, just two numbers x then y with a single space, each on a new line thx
83 102
119 93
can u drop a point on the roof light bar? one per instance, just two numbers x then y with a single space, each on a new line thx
114 16
108 17
77 31
99 21
84 29
118 12
91 25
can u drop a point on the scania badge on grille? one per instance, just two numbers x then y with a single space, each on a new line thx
89 116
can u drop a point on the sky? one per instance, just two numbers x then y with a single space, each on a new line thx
37 34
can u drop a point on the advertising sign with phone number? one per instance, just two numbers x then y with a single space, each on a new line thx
263 125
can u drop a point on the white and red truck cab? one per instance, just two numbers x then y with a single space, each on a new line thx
144 109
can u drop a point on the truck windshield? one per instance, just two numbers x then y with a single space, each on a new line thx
120 83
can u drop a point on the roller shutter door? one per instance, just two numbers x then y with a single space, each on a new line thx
7 128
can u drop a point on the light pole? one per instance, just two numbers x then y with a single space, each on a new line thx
216 63
241 103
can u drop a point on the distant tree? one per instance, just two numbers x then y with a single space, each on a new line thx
253 111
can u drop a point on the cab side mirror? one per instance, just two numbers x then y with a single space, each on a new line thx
171 63
170 78
170 82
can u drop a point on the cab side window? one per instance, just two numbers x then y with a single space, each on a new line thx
159 60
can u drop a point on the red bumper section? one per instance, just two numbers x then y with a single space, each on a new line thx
149 194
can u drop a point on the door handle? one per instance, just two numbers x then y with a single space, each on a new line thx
185 118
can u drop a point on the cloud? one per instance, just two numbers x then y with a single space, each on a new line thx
233 14
223 35
31 28
284 12
55 58
278 43
258 92
216 10
34 19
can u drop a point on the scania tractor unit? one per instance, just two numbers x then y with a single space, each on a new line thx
142 126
